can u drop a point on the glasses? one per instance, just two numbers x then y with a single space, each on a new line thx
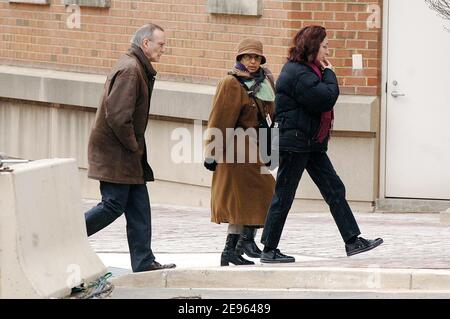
249 57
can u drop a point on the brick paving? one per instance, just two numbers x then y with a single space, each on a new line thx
416 241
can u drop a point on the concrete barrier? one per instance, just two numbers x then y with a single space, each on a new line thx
44 250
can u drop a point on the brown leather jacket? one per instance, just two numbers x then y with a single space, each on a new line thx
116 150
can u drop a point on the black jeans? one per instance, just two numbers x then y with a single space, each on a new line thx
132 200
321 171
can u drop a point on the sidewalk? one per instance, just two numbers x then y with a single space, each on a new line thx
186 236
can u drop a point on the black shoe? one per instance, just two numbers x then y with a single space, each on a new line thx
231 257
157 266
249 248
274 256
361 245
246 243
229 254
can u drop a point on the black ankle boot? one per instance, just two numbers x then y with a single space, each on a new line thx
246 243
229 254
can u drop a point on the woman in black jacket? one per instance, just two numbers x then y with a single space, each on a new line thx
307 90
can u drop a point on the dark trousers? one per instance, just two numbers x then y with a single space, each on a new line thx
321 171
132 200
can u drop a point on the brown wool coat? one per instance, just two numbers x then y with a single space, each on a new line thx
116 150
240 194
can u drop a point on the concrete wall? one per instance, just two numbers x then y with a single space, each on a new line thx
59 126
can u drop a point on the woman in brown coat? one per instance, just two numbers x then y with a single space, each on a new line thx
242 186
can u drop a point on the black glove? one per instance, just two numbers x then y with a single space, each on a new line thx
210 164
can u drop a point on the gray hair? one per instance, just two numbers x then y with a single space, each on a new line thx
145 32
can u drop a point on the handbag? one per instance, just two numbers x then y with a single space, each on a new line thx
265 125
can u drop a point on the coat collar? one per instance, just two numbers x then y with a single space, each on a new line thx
137 52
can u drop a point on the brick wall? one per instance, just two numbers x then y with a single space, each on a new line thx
201 46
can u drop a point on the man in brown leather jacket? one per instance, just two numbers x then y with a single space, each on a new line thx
117 151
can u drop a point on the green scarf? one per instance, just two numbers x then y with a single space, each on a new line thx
265 92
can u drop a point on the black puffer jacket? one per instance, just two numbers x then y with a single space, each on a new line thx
300 99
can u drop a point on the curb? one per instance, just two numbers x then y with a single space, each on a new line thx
325 278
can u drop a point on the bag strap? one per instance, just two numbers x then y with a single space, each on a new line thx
261 115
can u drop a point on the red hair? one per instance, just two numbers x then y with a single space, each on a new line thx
306 44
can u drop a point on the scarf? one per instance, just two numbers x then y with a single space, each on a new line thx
148 68
326 118
256 82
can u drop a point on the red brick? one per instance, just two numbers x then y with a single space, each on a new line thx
356 44
347 90
326 16
334 6
345 16
312 6
300 15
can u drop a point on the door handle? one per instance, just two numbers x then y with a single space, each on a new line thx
397 94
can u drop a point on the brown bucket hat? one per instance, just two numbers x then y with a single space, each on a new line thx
250 46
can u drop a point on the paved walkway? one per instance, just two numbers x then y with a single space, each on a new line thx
186 235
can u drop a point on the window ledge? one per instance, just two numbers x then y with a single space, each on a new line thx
30 1
90 3
238 7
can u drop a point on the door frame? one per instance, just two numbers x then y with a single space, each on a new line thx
383 106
